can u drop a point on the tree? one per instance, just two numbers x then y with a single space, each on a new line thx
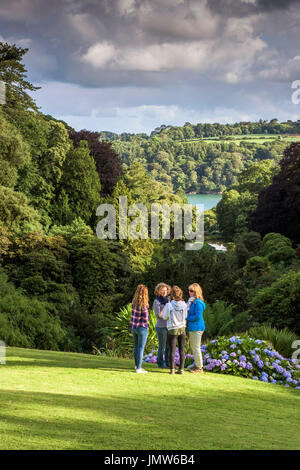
278 208
15 212
79 190
14 152
232 212
248 245
108 164
13 74
279 303
256 177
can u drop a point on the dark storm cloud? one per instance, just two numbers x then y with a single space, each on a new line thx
147 42
239 8
180 60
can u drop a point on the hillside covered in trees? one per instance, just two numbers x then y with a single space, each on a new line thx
204 158
61 286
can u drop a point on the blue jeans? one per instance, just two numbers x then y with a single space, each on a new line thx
139 337
163 348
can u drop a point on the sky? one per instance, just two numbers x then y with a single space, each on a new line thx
133 65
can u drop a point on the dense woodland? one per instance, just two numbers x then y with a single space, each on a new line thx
197 166
61 287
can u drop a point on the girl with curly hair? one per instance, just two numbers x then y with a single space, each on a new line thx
139 324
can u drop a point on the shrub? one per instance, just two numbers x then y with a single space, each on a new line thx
281 340
218 319
244 357
257 266
27 322
279 303
251 358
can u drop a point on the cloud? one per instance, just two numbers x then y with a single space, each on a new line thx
99 54
152 58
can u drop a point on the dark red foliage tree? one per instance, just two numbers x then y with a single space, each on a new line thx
278 208
108 164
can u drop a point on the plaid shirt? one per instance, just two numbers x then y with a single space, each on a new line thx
139 317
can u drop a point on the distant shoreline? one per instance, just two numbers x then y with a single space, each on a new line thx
206 193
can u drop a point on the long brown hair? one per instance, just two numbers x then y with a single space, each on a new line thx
141 298
197 291
176 293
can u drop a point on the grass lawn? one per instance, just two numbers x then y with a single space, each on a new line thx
56 400
236 139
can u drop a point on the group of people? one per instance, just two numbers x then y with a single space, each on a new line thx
174 318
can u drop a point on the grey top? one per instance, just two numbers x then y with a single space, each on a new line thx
175 312
160 322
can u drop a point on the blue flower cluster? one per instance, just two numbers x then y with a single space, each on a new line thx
251 358
245 357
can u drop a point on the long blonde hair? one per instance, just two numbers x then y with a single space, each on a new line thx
197 291
141 298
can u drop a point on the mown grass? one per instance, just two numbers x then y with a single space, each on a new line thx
236 139
56 400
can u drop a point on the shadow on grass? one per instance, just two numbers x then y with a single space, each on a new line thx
53 359
223 420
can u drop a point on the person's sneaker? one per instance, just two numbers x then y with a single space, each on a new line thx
172 371
141 371
180 372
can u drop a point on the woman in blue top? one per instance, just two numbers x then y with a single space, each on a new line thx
196 325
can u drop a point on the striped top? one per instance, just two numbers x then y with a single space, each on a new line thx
139 317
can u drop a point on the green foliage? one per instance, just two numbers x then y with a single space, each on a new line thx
277 248
281 340
119 338
15 212
79 191
251 358
279 303
240 200
247 245
257 266
232 212
27 322
256 177
201 165
14 152
77 227
218 319
13 74
40 266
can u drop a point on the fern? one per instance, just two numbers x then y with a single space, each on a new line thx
218 319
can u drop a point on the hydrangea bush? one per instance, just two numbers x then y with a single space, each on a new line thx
245 357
